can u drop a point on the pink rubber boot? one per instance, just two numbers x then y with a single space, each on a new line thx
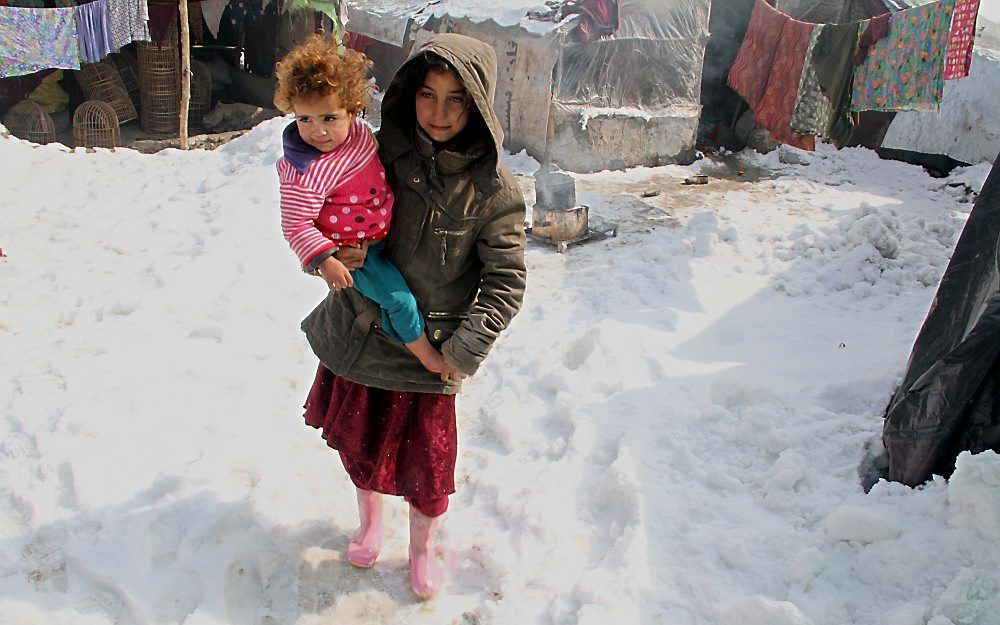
426 576
362 550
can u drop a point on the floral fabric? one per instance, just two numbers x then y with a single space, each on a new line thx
768 69
812 111
905 71
35 39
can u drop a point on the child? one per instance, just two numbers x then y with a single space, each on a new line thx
333 188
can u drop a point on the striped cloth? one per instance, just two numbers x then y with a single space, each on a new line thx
340 199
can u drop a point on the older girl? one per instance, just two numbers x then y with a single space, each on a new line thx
458 239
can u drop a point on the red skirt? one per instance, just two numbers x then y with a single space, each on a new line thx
391 442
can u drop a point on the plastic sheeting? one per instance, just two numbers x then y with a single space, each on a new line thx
652 63
949 400
385 20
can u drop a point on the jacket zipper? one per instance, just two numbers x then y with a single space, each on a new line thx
446 316
443 233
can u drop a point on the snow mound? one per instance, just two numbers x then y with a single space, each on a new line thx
758 610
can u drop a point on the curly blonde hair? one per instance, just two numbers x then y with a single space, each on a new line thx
315 68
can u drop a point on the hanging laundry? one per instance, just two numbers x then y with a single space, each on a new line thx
212 11
812 111
905 71
128 22
162 15
872 31
94 31
960 39
751 69
822 106
768 69
37 39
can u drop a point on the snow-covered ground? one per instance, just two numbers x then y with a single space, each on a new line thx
669 433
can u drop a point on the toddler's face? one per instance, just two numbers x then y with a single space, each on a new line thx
322 121
442 105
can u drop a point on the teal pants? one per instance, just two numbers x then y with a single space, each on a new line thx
380 281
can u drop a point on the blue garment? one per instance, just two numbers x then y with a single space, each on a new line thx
380 281
299 153
94 31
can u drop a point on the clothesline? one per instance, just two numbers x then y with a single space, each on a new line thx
44 35
63 37
803 80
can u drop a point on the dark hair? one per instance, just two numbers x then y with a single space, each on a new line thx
431 62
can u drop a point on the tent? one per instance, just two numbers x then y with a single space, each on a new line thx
949 399
631 98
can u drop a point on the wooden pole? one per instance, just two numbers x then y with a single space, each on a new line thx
185 72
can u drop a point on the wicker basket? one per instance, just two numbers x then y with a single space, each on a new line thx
128 69
201 94
101 81
95 125
160 85
27 120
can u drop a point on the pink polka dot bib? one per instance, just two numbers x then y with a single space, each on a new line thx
359 209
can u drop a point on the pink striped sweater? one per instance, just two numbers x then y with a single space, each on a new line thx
332 199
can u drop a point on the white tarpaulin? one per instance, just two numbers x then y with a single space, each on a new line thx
390 20
626 99
385 20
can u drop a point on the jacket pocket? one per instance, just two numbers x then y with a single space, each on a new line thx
454 244
336 333
453 238
441 325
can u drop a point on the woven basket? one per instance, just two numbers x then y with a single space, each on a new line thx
101 81
27 120
128 69
201 94
95 125
160 85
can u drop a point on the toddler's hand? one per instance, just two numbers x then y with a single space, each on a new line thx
336 274
433 362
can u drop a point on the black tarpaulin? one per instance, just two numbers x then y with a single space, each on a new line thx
949 400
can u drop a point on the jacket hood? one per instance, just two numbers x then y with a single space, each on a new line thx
476 64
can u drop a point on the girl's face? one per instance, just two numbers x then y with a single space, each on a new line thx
322 121
442 105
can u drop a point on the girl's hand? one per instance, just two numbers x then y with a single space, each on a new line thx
451 373
353 257
336 274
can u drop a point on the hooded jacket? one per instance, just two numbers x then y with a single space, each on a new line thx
457 236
